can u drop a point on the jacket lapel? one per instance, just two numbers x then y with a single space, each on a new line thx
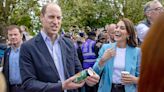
63 52
7 63
44 50
111 61
129 58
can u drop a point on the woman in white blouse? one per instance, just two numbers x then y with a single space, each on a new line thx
122 56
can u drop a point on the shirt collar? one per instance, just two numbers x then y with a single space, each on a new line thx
15 50
46 37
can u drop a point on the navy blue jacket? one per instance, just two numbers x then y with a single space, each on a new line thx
38 70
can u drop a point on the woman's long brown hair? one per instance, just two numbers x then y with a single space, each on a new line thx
131 41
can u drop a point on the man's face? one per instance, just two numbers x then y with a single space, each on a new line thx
14 36
155 10
51 20
110 30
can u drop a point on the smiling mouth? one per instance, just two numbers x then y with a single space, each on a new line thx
118 34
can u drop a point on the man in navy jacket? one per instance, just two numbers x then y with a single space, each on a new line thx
49 61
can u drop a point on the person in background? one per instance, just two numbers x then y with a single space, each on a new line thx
3 83
110 29
49 61
114 58
79 43
152 9
3 47
152 62
68 35
100 41
26 35
11 67
89 56
88 50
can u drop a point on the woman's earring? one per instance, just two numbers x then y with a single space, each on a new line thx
127 37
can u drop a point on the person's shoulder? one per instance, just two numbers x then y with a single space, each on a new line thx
138 49
29 43
142 26
66 40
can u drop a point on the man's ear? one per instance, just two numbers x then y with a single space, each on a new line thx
147 14
41 17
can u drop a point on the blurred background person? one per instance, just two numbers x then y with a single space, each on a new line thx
152 9
110 30
124 55
3 47
26 35
100 41
152 76
68 35
2 83
88 51
11 67
89 56
80 40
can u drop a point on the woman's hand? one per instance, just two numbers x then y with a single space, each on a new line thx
92 80
109 53
129 79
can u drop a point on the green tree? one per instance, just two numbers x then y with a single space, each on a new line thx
80 13
98 13
18 12
91 13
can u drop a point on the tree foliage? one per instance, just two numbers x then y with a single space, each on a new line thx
98 13
80 13
18 12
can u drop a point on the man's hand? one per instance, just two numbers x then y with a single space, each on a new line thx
69 84
92 80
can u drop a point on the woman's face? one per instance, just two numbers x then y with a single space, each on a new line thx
120 32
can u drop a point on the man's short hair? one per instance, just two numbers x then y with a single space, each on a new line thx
148 4
43 10
11 27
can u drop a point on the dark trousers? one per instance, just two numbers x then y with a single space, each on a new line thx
91 89
16 88
117 88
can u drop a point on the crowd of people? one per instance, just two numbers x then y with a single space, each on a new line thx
124 57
